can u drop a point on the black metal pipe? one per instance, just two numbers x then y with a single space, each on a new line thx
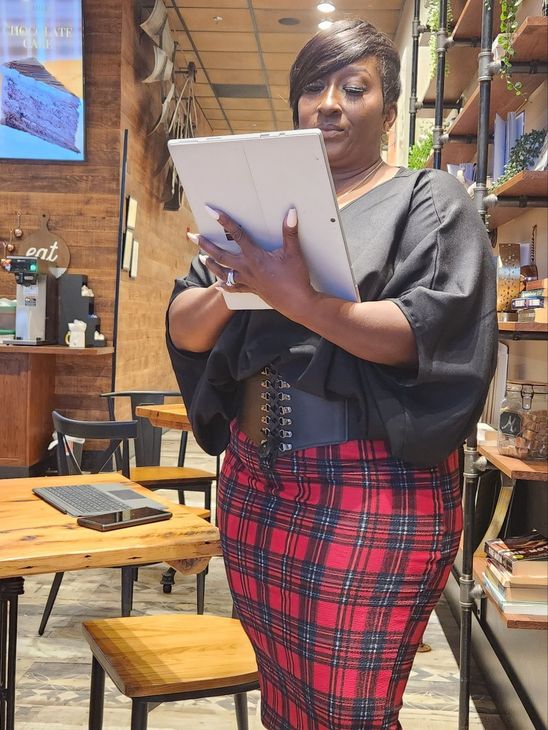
522 201
121 224
466 579
415 34
455 104
484 76
440 84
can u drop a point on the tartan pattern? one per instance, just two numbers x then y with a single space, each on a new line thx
335 560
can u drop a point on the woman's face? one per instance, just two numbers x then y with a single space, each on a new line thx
347 105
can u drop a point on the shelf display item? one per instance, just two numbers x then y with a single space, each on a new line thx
523 422
508 275
36 102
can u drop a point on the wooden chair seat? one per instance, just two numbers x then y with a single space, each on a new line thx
175 476
154 659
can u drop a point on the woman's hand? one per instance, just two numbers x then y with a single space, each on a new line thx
377 331
279 277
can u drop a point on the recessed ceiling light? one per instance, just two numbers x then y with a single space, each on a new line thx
326 7
325 24
289 21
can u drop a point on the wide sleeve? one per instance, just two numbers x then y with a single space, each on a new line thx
444 283
442 277
188 366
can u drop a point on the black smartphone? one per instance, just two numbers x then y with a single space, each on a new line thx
123 518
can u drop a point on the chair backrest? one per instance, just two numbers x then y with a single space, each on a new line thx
117 433
148 443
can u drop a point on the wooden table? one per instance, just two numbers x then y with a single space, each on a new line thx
171 415
36 538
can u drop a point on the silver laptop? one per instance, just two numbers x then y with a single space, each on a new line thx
256 178
83 499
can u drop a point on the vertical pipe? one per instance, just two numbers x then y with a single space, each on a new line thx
414 72
440 83
484 77
471 475
121 221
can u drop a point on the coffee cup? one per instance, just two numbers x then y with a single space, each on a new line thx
76 338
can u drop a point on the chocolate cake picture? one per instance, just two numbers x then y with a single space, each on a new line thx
34 101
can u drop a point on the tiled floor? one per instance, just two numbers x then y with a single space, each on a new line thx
53 670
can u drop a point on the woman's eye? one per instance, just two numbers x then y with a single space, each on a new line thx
354 90
313 88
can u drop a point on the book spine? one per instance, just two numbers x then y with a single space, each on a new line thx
527 293
537 284
494 553
521 302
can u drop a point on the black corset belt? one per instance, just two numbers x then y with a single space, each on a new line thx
279 418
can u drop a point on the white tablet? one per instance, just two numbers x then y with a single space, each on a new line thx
256 178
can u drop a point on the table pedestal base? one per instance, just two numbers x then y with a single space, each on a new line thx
10 590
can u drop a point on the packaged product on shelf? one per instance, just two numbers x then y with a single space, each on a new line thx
523 421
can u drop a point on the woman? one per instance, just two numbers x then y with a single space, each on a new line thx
339 540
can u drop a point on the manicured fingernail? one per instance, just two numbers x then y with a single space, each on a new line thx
193 237
203 258
212 212
292 218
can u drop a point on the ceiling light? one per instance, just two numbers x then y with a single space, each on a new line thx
325 24
289 21
326 7
217 18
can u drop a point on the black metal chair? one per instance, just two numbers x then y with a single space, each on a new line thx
148 472
118 434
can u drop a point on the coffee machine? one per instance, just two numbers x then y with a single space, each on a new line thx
36 300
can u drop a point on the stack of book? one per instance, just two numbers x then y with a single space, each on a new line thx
531 304
516 574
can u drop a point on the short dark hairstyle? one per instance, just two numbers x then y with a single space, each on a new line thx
343 43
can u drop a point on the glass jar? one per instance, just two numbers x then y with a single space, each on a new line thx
523 431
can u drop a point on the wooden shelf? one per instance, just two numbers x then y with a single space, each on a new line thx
523 327
530 184
512 620
462 64
468 24
57 350
454 153
530 45
536 471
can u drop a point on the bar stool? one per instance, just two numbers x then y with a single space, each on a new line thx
170 657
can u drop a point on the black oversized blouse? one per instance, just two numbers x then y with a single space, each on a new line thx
416 240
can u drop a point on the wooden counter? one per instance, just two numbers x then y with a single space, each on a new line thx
27 394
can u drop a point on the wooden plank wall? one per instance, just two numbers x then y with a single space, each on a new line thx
82 202
164 251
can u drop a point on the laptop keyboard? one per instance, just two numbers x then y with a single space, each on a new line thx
84 499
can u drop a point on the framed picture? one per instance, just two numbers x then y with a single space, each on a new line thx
131 219
41 61
128 245
134 260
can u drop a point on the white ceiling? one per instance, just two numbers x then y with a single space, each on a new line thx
243 53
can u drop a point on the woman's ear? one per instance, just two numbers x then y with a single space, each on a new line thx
390 117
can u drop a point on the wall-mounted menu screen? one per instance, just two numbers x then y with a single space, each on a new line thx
41 80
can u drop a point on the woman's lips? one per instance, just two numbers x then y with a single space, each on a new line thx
330 130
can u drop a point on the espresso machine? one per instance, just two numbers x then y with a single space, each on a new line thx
36 300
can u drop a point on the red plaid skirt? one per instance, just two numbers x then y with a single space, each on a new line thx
336 559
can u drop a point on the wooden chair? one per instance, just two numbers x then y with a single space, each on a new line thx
156 659
118 434
148 472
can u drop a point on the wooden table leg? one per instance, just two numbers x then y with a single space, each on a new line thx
10 590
